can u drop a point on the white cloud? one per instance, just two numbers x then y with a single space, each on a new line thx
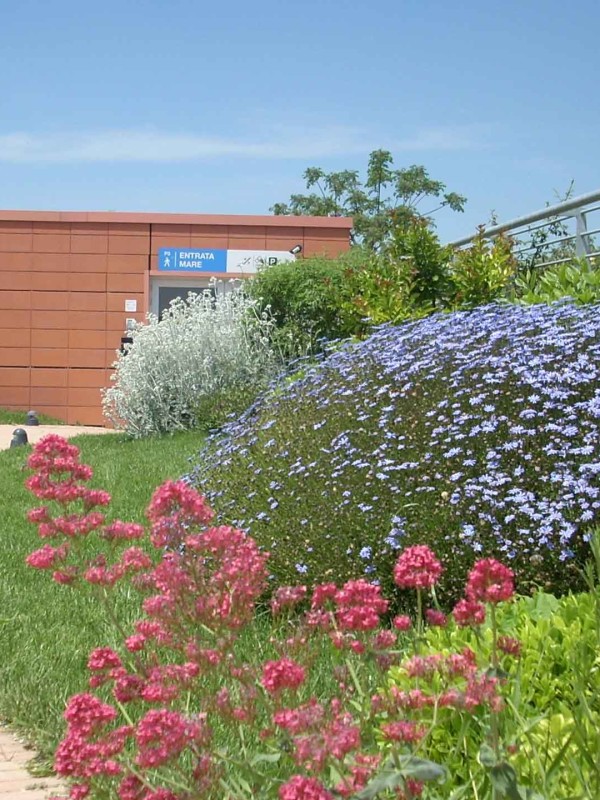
151 145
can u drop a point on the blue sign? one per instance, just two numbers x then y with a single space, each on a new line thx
172 259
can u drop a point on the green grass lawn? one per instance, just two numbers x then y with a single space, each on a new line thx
8 417
46 630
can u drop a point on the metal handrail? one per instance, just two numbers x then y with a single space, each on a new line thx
577 209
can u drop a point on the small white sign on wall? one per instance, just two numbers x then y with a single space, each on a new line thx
130 305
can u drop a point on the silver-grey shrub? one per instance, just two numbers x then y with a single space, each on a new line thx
199 349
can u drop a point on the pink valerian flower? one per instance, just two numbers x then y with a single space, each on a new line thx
102 659
413 789
384 639
322 594
176 508
287 597
359 605
86 713
483 690
134 559
301 719
403 731
490 582
334 739
361 772
417 568
468 613
282 674
48 557
122 530
299 787
402 623
161 735
437 619
509 645
131 788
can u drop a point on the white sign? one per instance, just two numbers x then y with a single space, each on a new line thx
130 305
250 261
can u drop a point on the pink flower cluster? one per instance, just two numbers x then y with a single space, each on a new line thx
417 568
199 591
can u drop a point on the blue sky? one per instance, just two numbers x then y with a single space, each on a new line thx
186 105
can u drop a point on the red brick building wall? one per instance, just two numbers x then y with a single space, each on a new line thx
64 279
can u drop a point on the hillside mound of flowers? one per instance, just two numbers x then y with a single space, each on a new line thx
476 433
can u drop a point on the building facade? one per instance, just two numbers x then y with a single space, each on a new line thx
70 281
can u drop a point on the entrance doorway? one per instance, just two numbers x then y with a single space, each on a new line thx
164 290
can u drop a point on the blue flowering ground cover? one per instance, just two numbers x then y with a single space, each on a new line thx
475 432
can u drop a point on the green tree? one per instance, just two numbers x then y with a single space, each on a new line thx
385 198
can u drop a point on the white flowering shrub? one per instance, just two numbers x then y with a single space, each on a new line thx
201 349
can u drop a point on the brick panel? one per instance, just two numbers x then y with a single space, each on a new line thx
51 243
50 262
86 358
50 281
42 376
125 283
87 339
15 319
16 242
15 262
128 245
84 397
15 281
87 281
85 416
49 301
46 337
11 301
57 320
86 320
209 242
15 396
84 378
14 376
49 357
87 262
15 337
14 356
87 301
48 396
87 244
122 263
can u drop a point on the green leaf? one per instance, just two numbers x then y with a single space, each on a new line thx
487 757
392 776
265 758
504 780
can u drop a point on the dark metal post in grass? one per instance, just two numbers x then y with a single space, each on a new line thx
19 437
32 418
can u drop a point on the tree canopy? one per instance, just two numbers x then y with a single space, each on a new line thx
383 200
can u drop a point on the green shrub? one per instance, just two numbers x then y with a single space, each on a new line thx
551 718
304 298
482 272
578 279
473 432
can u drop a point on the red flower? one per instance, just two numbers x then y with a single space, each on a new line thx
302 788
436 618
282 674
417 568
468 612
490 582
